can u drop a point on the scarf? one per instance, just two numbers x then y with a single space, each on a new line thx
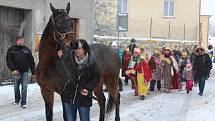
167 55
167 60
175 64
126 57
188 69
82 62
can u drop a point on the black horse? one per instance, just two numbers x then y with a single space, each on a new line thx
52 71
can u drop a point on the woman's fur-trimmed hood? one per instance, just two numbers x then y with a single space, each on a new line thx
199 48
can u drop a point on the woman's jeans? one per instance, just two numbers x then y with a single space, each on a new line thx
22 79
71 112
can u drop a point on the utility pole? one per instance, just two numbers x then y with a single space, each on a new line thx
150 35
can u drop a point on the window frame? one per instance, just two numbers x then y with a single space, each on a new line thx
123 6
169 9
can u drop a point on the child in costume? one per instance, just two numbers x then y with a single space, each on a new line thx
135 59
188 75
126 57
155 66
143 77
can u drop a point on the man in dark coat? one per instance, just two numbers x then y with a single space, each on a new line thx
19 59
132 46
201 67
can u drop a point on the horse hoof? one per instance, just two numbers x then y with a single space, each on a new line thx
117 118
120 89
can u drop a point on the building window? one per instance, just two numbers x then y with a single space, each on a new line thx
169 8
123 6
122 16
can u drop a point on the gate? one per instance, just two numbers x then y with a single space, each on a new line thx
11 20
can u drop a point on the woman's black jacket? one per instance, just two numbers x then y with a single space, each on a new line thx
87 78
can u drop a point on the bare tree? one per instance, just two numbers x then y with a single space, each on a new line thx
105 17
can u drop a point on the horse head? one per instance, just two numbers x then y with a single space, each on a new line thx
63 25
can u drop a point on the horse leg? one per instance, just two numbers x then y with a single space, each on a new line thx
117 117
48 97
120 85
101 100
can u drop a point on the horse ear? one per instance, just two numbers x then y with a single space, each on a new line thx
52 8
68 7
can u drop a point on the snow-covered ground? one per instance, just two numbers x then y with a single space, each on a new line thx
177 106
158 106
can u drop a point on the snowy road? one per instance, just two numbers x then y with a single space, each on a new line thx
176 106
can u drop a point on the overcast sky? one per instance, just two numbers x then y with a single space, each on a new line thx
208 8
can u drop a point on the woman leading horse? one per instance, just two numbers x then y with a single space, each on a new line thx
53 73
79 97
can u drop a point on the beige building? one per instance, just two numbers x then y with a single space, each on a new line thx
204 28
167 19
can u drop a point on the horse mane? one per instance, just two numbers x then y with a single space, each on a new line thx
46 32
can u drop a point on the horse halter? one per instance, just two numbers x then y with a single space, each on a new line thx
62 35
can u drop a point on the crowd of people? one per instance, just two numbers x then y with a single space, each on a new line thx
166 69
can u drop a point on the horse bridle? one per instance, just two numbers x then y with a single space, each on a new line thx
62 35
60 41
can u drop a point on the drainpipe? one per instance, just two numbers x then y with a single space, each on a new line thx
44 18
200 43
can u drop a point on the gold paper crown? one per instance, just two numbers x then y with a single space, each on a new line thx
167 48
126 49
142 57
156 51
142 46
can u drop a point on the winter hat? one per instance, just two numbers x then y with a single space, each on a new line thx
210 47
137 50
114 44
133 40
188 65
196 51
199 48
81 43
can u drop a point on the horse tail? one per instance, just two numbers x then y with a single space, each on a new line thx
113 102
113 94
113 98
